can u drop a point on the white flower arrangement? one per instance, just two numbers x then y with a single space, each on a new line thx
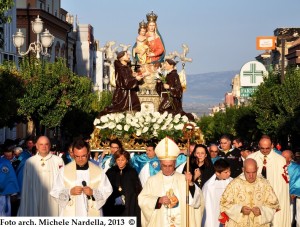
142 124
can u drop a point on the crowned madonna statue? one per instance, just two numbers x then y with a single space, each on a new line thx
147 99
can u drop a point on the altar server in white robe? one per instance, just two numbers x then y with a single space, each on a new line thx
212 192
163 198
40 171
275 174
81 188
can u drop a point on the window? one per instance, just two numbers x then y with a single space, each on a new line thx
42 4
8 57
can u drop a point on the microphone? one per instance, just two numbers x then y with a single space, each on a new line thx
84 185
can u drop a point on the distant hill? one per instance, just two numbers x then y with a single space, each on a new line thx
206 90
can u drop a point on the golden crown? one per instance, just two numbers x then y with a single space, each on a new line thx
151 17
143 24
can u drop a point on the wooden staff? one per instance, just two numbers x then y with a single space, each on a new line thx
188 133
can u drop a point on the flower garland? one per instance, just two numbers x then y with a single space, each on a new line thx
143 125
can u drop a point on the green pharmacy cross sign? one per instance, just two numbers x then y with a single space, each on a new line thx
252 73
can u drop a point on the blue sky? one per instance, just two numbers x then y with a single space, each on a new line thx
221 34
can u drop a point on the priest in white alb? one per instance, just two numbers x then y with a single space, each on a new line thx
81 187
163 198
40 171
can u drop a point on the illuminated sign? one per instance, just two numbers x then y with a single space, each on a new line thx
251 74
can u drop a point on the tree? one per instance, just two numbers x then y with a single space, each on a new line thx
274 109
5 5
70 122
206 124
265 104
104 100
235 121
10 90
277 106
289 104
213 127
246 125
51 91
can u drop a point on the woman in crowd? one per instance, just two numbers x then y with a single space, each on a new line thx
126 187
201 165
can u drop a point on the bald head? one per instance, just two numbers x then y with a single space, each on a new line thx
250 162
43 146
288 155
265 145
43 138
250 170
213 150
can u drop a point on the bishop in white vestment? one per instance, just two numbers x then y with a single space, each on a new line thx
163 198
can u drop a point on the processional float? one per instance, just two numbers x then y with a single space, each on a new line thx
135 129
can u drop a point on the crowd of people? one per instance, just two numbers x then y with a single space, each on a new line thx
226 184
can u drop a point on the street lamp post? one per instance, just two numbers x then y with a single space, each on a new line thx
106 82
282 59
96 89
43 42
242 101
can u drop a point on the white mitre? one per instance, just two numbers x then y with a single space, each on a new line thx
167 149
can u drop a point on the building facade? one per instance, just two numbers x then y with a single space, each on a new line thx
73 41
54 19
